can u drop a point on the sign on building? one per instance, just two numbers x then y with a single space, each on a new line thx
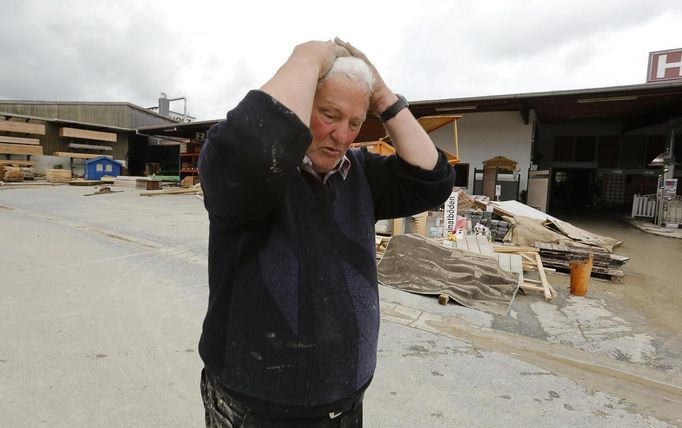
665 65
450 214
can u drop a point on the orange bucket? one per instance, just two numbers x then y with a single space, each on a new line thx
580 275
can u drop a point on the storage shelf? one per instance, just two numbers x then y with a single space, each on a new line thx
189 159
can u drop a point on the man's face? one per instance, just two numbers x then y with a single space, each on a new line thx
339 109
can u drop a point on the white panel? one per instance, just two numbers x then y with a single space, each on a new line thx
485 135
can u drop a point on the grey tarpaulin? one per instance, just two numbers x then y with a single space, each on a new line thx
419 265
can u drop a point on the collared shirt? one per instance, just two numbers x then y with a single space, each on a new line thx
342 168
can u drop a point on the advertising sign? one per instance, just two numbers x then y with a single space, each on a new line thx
665 66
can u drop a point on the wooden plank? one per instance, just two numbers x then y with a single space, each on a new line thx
19 149
89 147
472 244
514 249
531 287
171 192
79 155
58 175
505 261
19 140
462 244
18 162
528 257
543 277
22 127
516 264
484 245
87 134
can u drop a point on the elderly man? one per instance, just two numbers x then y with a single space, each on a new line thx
290 335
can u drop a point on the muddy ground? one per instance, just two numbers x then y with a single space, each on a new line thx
101 301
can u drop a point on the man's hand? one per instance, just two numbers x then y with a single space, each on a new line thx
383 97
295 82
409 138
318 54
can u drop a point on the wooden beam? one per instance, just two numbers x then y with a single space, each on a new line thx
170 192
18 162
543 278
19 149
79 155
19 140
22 127
531 287
513 249
89 147
87 134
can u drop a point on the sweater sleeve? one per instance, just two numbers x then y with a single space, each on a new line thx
400 189
248 159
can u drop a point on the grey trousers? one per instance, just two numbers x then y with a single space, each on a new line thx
224 411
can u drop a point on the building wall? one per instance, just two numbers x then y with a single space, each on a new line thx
485 135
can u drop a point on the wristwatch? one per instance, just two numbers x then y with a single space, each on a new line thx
390 112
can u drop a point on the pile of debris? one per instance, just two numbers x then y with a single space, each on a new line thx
464 265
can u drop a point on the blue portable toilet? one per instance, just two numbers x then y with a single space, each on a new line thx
97 167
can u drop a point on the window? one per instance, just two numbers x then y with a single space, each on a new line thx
654 147
563 149
607 151
99 167
462 175
584 149
632 156
109 168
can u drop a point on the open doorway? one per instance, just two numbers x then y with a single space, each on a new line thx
572 189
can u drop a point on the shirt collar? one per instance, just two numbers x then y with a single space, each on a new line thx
342 168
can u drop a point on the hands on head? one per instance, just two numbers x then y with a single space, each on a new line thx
382 97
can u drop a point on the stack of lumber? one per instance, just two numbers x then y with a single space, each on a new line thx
12 174
604 265
58 175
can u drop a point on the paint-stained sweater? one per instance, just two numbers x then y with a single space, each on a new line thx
293 311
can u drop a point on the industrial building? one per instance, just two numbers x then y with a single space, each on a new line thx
44 134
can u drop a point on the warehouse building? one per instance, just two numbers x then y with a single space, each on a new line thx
45 134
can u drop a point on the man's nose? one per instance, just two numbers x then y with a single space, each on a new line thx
341 133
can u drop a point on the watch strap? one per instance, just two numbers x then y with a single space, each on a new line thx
390 112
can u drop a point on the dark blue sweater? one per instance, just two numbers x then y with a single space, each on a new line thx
293 312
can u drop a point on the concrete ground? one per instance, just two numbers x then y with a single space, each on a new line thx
102 300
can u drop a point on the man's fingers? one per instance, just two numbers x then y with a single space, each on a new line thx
351 49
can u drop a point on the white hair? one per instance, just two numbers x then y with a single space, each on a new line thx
353 68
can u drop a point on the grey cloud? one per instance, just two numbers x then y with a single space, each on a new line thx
66 54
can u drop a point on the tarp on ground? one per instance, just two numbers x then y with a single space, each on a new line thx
419 265
529 224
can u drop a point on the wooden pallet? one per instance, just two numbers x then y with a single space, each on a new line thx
559 257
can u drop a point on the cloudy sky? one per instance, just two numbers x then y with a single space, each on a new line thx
213 52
